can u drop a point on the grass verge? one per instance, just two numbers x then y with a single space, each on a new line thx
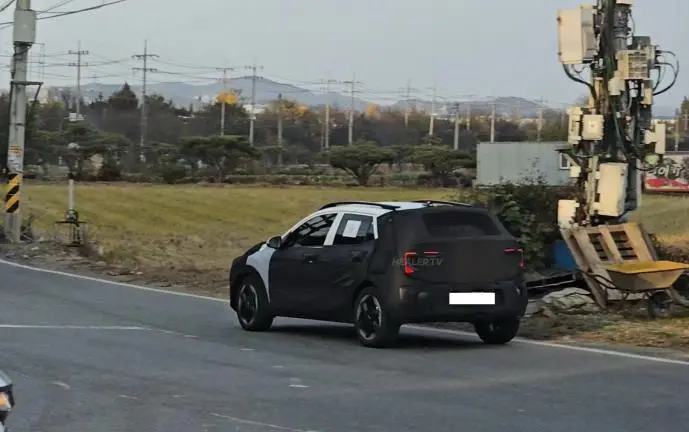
189 234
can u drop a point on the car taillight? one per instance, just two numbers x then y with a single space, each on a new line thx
408 256
520 252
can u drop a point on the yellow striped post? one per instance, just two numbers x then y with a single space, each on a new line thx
12 196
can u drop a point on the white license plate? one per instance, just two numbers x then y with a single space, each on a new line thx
472 298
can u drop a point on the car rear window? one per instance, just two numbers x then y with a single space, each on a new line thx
460 224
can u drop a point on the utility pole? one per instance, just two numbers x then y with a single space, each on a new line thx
407 110
431 123
614 133
677 132
492 123
468 109
352 91
683 131
78 64
252 121
456 135
224 102
540 121
136 156
279 109
326 125
24 36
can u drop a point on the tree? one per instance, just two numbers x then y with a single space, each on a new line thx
440 161
360 159
87 138
223 153
44 147
112 145
402 155
124 99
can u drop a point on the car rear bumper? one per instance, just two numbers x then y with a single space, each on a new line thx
431 303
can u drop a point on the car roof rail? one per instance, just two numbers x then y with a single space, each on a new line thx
368 203
438 202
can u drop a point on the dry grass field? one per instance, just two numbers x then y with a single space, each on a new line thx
667 217
192 229
189 234
200 227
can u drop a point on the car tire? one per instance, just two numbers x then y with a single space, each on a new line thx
374 325
498 332
253 307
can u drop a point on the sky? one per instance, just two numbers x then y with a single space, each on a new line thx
465 48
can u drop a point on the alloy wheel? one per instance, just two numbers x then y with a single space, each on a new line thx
247 303
369 317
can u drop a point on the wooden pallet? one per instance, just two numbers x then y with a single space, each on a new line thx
594 248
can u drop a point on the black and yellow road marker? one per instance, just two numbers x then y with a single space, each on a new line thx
12 196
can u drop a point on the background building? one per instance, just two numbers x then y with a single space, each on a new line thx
501 162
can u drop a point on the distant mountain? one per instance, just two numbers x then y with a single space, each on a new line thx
183 94
505 106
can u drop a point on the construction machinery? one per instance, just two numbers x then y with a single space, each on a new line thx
612 141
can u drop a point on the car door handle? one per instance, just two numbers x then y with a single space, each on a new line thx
358 256
309 258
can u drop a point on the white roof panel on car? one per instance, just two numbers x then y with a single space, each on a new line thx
373 209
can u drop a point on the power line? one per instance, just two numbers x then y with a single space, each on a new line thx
55 6
7 5
78 11
200 74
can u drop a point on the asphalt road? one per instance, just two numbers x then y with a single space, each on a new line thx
93 356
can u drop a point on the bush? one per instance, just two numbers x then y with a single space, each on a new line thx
110 170
172 173
529 212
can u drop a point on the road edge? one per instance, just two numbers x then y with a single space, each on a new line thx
521 340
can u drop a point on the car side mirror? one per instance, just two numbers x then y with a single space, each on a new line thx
275 242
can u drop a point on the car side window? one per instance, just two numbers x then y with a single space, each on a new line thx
312 232
354 230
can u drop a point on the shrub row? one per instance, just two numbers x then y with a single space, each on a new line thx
175 175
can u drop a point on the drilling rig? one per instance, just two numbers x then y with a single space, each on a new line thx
612 140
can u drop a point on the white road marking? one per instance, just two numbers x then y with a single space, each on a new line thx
261 424
611 353
174 333
246 349
71 327
63 385
123 396
296 383
601 351
110 282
